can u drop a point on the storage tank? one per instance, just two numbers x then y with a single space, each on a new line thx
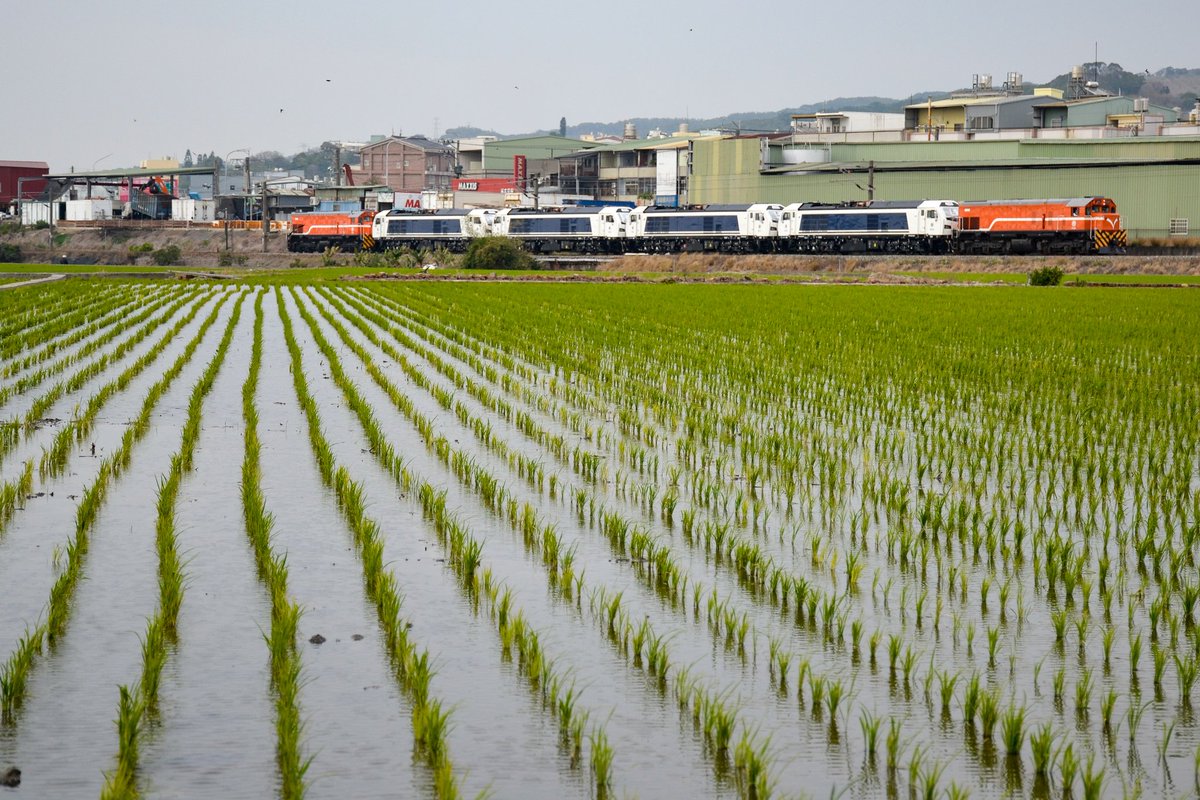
630 131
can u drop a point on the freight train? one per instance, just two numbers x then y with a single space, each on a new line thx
1079 225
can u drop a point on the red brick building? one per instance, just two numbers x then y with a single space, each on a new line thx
408 164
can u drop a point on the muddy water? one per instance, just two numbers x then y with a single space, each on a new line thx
66 406
217 709
511 758
607 685
67 737
49 520
65 351
1026 647
691 644
216 733
357 726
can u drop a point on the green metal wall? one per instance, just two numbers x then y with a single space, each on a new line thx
1148 196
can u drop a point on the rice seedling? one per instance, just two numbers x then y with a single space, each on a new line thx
1041 744
870 723
895 748
1186 668
1092 780
989 713
1012 728
1068 766
1083 692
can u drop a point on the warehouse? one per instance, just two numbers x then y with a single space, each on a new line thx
1153 179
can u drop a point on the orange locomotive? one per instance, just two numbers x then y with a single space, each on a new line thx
313 232
1079 225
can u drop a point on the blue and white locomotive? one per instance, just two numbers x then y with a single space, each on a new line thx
889 226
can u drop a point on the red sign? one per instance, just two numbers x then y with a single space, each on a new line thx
519 170
491 185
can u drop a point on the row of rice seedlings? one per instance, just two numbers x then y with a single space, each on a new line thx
162 626
54 459
751 756
525 466
14 674
36 306
49 321
111 467
272 571
123 322
526 384
749 562
74 328
63 590
26 425
993 638
13 494
657 658
463 555
463 551
586 464
430 721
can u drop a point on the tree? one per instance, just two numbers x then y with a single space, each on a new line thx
496 252
562 127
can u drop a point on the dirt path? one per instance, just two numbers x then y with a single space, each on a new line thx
58 276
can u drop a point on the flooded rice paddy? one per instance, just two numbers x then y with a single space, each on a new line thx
539 541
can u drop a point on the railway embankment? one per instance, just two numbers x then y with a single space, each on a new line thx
204 248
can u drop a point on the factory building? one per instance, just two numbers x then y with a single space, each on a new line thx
1153 179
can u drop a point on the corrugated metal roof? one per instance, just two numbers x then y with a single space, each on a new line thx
943 166
955 102
25 164
132 173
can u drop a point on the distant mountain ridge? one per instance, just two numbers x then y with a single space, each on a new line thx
1171 87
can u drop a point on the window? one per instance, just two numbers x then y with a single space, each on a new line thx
692 223
424 227
534 226
853 222
1177 227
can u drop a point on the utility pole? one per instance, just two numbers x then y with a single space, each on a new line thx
265 222
246 171
50 211
870 181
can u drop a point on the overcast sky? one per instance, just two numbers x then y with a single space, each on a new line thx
112 83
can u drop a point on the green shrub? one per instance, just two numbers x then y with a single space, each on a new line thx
497 252
41 225
227 259
167 256
1046 276
10 254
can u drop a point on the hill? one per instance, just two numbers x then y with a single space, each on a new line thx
1170 86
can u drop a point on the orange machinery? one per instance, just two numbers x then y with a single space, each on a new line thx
313 232
1078 225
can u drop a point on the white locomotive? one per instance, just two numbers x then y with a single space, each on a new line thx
893 226
887 226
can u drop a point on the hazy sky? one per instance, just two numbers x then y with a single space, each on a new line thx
111 83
